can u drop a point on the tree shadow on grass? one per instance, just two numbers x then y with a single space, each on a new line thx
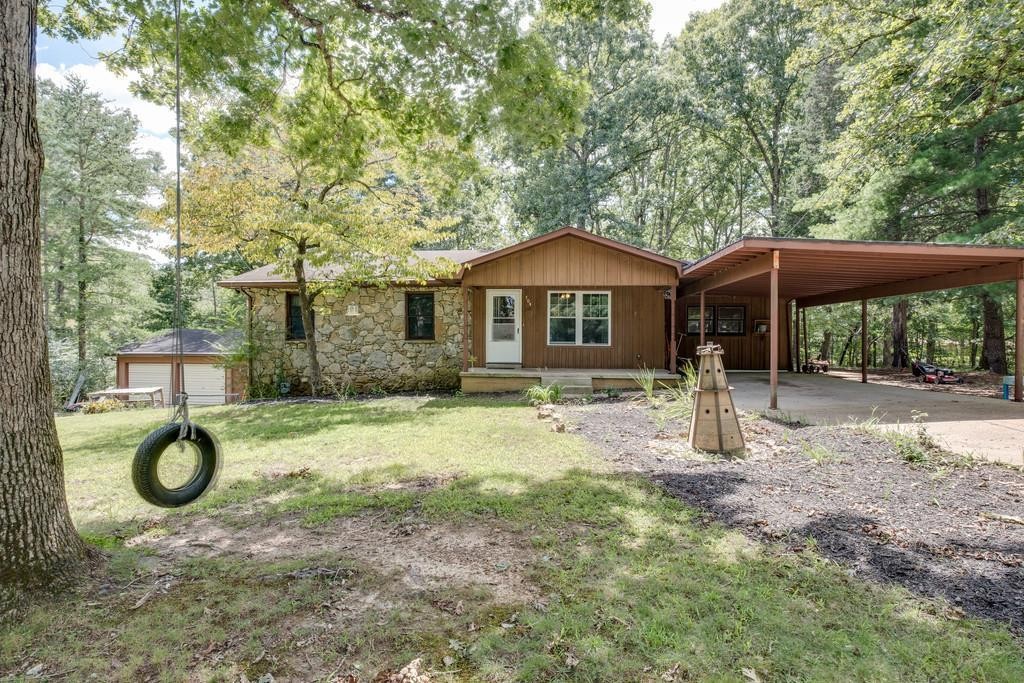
635 584
945 567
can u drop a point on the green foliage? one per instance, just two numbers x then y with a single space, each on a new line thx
409 72
94 184
541 395
65 369
103 405
820 454
645 379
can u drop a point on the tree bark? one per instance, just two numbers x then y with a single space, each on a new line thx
993 351
825 352
900 350
306 306
39 544
975 331
846 345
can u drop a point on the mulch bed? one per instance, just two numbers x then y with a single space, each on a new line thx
933 527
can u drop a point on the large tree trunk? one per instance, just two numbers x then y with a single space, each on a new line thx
993 351
38 543
825 353
306 304
975 331
846 345
900 347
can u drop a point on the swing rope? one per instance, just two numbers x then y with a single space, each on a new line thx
181 411
145 465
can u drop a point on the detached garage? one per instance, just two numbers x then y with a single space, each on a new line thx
151 363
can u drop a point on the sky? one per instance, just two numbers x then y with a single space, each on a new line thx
56 58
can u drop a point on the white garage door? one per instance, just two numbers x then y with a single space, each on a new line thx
151 375
204 384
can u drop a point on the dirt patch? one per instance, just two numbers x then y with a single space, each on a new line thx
419 555
939 530
986 384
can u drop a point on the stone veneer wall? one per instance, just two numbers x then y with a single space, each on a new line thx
362 353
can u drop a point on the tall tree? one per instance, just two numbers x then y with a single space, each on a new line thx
581 182
934 139
93 188
325 230
427 66
732 64
39 542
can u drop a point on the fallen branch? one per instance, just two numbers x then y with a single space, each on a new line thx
1009 519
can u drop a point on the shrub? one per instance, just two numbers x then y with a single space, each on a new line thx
539 395
644 377
103 405
65 368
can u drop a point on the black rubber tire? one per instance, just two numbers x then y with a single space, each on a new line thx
145 474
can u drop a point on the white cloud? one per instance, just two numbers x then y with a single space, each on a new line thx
155 121
669 16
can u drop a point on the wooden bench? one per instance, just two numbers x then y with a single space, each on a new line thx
155 395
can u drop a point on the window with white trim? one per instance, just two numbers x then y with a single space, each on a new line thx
579 318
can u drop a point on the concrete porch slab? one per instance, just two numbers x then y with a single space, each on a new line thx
576 380
972 425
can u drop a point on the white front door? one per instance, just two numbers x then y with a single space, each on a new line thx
504 326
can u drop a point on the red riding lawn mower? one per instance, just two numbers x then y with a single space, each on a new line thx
933 374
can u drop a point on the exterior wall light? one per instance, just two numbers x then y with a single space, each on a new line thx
352 311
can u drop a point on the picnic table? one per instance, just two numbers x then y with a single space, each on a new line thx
154 394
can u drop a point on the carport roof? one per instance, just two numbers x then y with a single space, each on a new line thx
818 272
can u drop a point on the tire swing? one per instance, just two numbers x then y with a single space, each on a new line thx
197 447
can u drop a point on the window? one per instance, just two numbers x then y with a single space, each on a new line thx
419 315
732 320
693 320
561 317
579 318
294 329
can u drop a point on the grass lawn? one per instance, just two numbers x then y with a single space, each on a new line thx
345 540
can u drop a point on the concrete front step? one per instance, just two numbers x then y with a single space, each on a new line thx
573 384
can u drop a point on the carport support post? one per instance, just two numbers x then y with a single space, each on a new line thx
1018 362
864 341
702 317
773 323
672 332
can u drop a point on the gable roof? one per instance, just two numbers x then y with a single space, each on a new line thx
194 343
570 231
269 277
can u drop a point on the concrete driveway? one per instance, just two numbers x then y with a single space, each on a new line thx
983 427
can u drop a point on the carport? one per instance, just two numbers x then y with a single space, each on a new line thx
971 425
812 272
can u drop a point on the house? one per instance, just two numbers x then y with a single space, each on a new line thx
588 312
153 363
540 310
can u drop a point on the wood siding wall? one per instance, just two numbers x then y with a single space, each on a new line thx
570 260
638 335
749 351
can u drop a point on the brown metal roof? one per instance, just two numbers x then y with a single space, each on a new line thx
194 343
817 272
269 276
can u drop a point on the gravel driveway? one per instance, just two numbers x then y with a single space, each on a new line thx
941 529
